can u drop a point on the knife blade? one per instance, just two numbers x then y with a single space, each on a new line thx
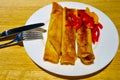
20 29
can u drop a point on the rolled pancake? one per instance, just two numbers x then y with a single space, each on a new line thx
53 44
68 39
84 43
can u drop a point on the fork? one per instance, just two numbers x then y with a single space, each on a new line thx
26 35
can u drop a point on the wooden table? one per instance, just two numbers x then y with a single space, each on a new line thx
15 64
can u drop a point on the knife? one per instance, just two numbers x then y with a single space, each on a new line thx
20 29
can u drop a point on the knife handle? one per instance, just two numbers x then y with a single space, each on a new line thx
20 29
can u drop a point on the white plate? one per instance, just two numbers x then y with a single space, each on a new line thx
104 51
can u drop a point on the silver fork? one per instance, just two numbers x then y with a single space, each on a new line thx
26 35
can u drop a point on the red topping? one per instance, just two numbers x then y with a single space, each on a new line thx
84 19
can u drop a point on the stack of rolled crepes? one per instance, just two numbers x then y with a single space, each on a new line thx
68 48
84 42
53 44
61 39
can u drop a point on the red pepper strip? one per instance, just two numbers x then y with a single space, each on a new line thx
100 25
71 21
76 26
72 16
81 13
95 34
93 38
75 21
78 23
90 24
68 24
88 21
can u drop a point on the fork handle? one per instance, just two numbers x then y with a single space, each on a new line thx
16 40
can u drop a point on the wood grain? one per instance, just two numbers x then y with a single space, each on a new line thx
15 64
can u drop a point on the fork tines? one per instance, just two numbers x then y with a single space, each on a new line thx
29 35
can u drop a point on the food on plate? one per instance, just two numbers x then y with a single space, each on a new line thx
71 33
53 43
84 39
84 44
87 33
68 39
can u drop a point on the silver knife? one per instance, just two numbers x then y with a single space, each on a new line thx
20 29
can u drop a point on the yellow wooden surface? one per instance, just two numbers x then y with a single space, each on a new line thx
15 64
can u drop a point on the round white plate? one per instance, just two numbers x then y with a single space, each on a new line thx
104 51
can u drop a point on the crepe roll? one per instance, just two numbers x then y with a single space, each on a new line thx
53 44
84 43
68 39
